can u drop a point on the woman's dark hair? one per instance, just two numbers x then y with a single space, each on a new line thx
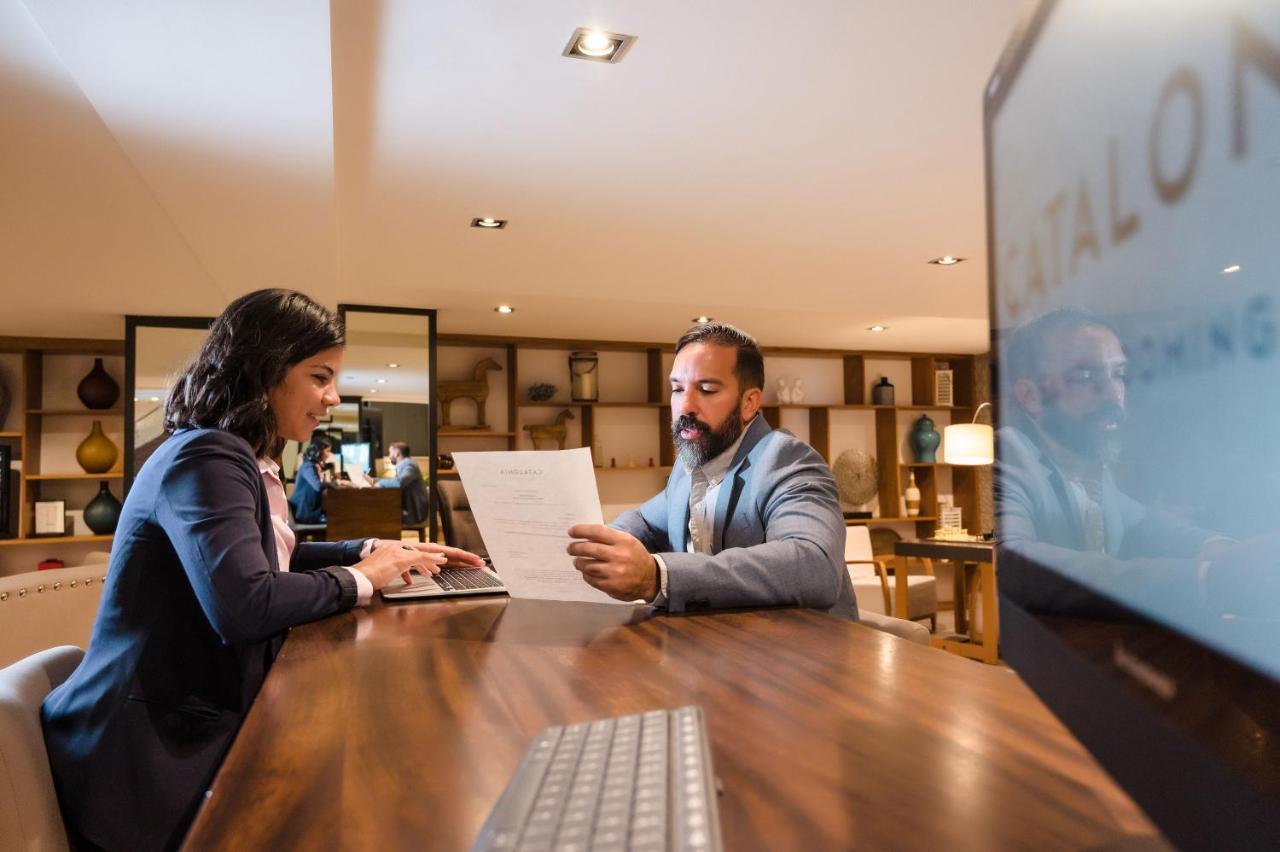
315 450
250 348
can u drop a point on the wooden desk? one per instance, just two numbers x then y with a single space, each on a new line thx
984 647
397 728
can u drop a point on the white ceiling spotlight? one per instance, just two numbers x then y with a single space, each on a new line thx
946 260
1233 268
702 320
488 223
877 328
505 309
597 46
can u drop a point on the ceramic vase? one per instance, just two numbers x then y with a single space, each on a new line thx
924 440
882 394
103 512
98 390
96 453
912 495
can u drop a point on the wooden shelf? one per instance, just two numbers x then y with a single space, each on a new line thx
924 464
53 477
10 434
553 404
77 412
55 539
853 522
473 433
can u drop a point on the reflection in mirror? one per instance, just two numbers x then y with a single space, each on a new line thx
387 385
157 349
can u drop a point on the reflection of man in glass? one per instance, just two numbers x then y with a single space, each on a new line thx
413 492
1064 409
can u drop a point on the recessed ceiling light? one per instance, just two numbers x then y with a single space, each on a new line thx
505 309
489 224
392 365
877 328
155 399
596 45
702 320
1235 267
373 390
946 260
382 381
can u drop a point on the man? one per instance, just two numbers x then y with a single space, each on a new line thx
749 517
413 491
1055 495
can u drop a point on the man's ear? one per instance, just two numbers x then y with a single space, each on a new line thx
1027 393
751 404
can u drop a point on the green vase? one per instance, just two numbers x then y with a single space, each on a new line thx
96 453
924 440
103 512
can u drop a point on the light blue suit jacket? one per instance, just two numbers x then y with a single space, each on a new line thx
779 533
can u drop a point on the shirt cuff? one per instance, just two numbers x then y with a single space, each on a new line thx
661 599
364 589
367 548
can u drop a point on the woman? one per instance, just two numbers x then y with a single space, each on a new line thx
307 498
205 578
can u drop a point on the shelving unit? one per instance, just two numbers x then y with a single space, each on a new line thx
42 375
837 415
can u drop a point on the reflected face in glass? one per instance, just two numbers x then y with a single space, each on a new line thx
1082 390
707 410
305 394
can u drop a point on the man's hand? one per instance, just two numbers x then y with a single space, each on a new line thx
614 562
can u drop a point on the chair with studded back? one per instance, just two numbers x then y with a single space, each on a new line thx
41 609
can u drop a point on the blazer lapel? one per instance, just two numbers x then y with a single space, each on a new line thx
735 479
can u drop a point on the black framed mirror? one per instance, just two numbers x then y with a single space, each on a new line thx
156 351
388 389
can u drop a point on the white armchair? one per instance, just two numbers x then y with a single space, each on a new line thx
43 609
871 586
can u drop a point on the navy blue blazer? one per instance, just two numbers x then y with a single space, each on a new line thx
193 611
308 507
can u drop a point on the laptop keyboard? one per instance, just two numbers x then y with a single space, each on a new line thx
641 782
457 579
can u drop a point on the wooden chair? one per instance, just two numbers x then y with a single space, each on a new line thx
361 513
870 575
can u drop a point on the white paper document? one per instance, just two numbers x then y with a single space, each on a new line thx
524 503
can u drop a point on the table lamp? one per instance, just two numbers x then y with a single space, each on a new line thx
969 443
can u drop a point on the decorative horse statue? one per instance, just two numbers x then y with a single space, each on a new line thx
475 389
556 431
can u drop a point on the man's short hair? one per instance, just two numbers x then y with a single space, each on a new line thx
1026 353
402 447
749 368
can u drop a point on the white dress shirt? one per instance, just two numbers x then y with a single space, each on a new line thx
286 541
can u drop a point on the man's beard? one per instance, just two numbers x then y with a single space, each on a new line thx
1087 436
710 442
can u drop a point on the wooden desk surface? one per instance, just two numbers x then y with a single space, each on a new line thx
969 551
398 727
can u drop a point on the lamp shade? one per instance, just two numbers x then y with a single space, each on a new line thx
968 443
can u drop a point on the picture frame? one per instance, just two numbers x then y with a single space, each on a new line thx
51 518
944 387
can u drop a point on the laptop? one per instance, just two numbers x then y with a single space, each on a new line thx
450 582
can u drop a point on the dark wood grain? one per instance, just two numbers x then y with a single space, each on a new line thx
397 728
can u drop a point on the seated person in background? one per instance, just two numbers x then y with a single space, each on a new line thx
750 515
413 491
306 500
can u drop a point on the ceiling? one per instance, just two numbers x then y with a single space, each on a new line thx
786 167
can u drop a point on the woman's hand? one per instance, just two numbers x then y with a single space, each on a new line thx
453 557
391 560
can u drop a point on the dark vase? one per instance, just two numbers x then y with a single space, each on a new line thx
882 394
98 390
103 512
924 440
